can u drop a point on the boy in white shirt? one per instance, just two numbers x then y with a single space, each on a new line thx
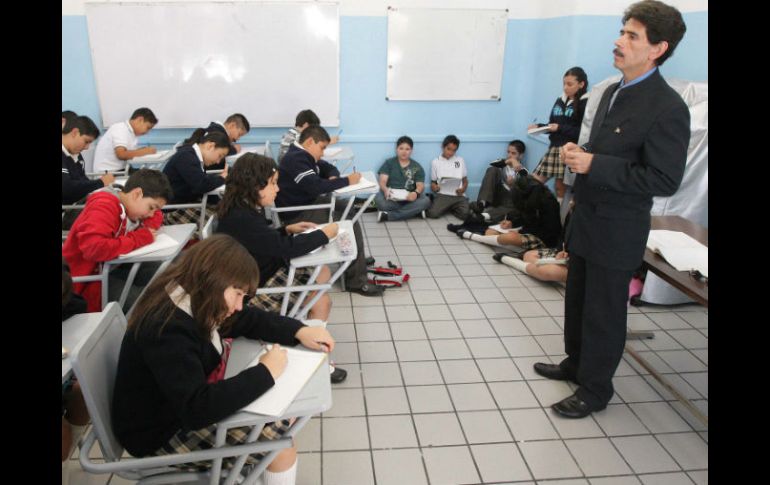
121 140
449 181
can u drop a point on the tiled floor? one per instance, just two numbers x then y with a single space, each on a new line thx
441 388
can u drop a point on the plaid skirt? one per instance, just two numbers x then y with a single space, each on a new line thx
205 439
271 302
551 165
547 252
530 241
186 216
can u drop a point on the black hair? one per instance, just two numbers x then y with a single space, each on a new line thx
519 145
307 116
145 113
529 196
154 184
202 136
316 132
405 139
68 117
250 174
662 22
450 139
84 125
581 76
240 121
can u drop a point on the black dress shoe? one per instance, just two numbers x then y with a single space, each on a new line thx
552 371
369 290
574 408
454 227
338 375
369 261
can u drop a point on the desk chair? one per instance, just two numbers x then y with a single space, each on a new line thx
192 205
94 363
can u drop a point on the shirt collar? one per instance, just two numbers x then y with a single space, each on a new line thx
181 299
296 144
67 152
637 80
130 129
198 153
565 99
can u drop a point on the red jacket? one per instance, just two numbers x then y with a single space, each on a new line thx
99 234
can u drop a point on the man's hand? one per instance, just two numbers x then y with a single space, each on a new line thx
224 171
460 191
434 187
506 224
299 227
552 127
411 196
275 360
575 158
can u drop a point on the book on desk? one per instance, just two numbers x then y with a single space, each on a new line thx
161 242
300 367
679 250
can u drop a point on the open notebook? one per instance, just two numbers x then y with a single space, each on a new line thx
362 184
162 241
680 250
153 157
398 194
302 364
449 185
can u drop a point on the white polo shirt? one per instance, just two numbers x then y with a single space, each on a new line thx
452 168
118 135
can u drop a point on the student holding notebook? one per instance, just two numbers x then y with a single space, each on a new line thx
112 223
402 185
449 181
170 389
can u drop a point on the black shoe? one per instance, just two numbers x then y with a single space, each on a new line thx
369 261
454 227
477 207
552 371
369 290
338 375
499 258
574 408
382 216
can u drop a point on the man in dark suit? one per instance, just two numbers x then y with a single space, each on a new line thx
637 149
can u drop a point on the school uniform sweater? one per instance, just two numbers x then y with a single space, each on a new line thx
188 180
74 183
537 212
161 382
271 248
101 233
569 118
302 180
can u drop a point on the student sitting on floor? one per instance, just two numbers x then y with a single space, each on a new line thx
235 126
189 181
251 186
112 223
170 389
494 197
536 216
403 174
120 142
304 180
449 196
305 118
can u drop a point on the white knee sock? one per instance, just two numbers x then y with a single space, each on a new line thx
514 263
288 477
488 240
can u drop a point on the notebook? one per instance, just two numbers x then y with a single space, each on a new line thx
398 194
153 157
497 228
330 152
449 185
680 250
301 366
362 184
162 241
540 129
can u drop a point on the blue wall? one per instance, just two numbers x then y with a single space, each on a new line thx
537 53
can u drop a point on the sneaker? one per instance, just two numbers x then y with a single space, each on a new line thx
382 216
368 290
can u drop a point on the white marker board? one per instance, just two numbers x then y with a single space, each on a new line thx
194 62
445 54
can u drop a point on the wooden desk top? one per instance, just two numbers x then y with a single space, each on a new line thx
681 280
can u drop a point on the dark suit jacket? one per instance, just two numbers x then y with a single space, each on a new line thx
640 151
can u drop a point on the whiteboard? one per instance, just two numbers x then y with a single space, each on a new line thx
445 54
194 62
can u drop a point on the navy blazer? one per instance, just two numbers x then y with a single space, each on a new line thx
640 151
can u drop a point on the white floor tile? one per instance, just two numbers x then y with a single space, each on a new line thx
549 459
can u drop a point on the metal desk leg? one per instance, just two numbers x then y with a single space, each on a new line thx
363 207
351 200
